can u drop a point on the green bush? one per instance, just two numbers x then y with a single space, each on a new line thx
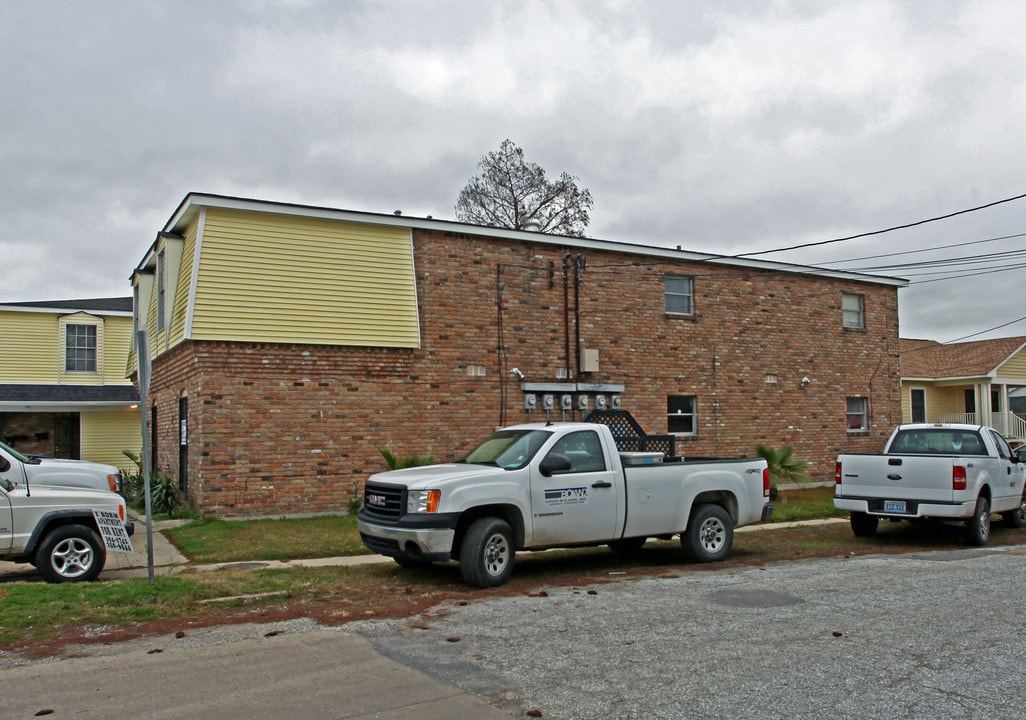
165 497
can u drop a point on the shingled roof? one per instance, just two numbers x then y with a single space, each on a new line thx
100 305
68 393
931 359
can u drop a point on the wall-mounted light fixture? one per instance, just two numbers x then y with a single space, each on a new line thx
805 382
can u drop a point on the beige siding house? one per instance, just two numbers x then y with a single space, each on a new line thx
973 382
63 386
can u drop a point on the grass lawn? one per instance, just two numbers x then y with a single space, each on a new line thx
40 618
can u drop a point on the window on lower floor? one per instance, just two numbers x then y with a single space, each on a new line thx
80 348
857 415
681 415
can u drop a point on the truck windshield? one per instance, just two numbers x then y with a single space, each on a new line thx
21 458
508 449
930 441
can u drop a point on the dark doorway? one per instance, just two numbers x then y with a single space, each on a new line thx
918 401
970 401
183 445
67 437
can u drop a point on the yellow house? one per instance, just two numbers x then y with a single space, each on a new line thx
63 386
982 382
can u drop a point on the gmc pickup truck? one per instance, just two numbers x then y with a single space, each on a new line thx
936 471
65 532
545 485
61 473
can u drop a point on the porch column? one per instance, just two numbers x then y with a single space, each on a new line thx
983 404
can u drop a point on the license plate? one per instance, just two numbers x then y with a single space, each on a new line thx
894 506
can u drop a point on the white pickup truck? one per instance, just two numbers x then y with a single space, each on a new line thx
62 473
65 532
546 485
934 471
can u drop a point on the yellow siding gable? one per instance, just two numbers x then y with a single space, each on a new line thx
263 277
31 342
34 348
1014 367
106 435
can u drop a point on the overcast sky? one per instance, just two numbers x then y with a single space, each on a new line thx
725 127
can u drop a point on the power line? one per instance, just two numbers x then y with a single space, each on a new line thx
924 250
981 332
886 230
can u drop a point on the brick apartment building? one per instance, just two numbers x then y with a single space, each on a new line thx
290 343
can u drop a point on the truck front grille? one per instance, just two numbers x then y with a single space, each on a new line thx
384 502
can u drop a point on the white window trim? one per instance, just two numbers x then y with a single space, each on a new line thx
861 311
690 295
864 414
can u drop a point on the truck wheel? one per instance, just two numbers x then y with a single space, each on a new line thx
977 528
863 524
70 553
1016 518
710 534
411 563
486 555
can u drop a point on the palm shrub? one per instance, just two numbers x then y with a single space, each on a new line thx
132 480
783 465
396 462
165 497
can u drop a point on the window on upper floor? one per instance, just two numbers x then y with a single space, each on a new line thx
681 415
80 348
853 310
857 414
161 288
679 293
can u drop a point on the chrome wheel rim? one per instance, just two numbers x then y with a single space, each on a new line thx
72 558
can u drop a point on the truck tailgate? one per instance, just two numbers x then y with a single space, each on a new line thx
919 477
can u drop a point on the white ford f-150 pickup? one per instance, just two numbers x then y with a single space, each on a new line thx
546 485
934 471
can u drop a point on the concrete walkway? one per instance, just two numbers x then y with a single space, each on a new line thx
167 560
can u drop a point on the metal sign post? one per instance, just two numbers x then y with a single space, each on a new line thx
143 356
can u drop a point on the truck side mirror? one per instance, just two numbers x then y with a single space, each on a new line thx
1020 455
5 464
554 463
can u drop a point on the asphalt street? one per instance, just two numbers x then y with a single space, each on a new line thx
931 635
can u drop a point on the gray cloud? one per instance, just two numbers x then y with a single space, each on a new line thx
721 128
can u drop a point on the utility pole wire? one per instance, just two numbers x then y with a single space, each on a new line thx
881 232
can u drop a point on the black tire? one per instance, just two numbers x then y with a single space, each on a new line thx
627 546
863 524
1016 518
487 552
411 563
977 528
710 534
70 553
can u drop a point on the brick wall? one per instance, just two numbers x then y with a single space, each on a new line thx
293 429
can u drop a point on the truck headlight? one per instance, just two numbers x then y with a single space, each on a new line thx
423 501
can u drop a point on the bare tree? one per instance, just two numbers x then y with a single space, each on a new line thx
513 193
